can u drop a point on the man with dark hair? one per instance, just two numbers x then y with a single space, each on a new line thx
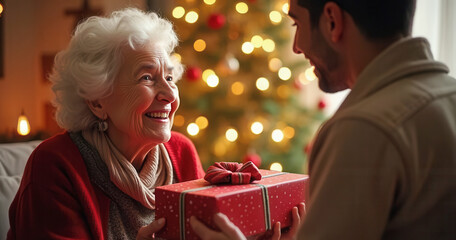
384 166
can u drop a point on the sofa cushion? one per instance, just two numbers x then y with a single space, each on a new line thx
13 157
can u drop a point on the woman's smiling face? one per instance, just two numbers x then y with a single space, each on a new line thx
144 99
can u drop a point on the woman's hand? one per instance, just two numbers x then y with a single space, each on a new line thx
297 214
147 232
229 230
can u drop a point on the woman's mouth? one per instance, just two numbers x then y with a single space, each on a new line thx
157 115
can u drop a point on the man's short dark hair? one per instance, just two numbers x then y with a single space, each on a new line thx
376 19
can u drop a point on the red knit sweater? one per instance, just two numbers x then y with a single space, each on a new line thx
56 199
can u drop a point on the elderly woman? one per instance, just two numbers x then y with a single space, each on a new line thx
116 96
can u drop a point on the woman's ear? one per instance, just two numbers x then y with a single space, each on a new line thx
97 109
333 21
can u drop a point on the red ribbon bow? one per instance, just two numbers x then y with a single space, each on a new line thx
232 172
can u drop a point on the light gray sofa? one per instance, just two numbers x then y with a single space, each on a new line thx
13 157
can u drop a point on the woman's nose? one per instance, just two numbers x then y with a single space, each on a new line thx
166 92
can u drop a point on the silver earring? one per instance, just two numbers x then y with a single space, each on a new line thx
102 125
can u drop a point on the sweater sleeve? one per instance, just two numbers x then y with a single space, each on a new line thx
54 200
184 157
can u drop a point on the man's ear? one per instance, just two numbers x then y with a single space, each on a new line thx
97 109
333 20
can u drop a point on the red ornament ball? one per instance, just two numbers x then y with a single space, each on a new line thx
216 21
253 157
193 74
321 105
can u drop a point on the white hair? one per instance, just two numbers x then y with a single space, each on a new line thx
87 68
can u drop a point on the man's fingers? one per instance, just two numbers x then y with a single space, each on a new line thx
302 210
277 231
198 227
148 231
233 232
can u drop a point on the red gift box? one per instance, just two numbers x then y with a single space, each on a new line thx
254 207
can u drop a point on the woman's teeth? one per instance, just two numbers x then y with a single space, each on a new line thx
157 115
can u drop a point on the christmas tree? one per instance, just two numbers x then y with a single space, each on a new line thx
240 92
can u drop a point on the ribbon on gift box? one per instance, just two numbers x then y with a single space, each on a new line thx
232 173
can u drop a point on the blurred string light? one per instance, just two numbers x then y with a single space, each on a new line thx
268 45
199 45
284 73
179 120
283 91
275 17
178 12
209 2
285 8
262 84
213 80
193 129
310 74
191 17
206 73
247 47
276 167
256 128
231 135
202 122
275 64
237 88
289 132
242 7
177 57
257 41
220 147
277 135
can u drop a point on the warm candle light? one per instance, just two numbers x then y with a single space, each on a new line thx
23 125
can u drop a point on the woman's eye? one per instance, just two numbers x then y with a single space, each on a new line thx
146 77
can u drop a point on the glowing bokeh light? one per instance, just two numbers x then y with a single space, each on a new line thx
276 167
257 41
213 80
275 64
277 135
191 17
275 17
209 2
193 129
179 120
284 73
202 122
257 128
268 45
176 57
199 45
262 84
206 73
237 88
178 12
283 91
289 132
231 135
285 8
242 7
247 47
310 74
